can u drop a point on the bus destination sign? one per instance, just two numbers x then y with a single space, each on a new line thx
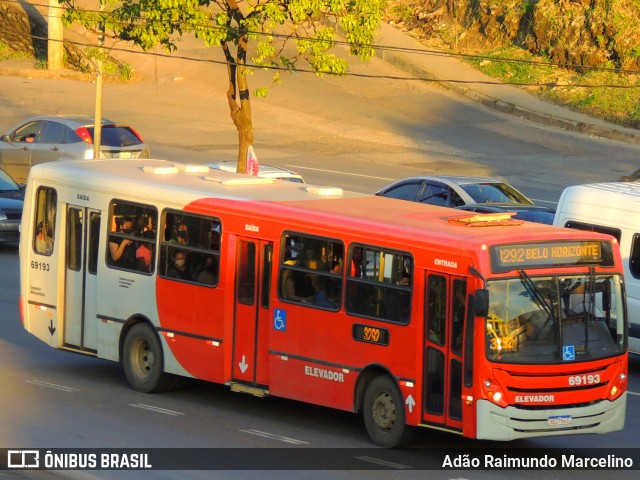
505 258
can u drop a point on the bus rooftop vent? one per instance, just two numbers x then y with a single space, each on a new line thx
161 170
325 191
193 168
242 180
486 219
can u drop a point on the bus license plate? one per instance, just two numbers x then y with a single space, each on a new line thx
559 420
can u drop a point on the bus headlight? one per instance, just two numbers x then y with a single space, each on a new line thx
494 393
619 386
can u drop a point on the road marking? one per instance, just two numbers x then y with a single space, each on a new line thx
164 411
378 461
273 436
633 393
62 388
298 167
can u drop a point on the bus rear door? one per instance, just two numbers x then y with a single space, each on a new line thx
81 255
251 312
444 317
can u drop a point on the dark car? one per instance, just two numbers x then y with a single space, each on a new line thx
11 202
529 213
48 138
454 191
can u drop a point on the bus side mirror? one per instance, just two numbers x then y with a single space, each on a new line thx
481 303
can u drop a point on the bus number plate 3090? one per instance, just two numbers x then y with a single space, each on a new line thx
367 334
559 420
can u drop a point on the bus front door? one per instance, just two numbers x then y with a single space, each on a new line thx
251 313
445 317
81 254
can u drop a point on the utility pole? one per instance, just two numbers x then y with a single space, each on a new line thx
55 45
97 124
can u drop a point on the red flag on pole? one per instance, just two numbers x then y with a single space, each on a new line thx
253 165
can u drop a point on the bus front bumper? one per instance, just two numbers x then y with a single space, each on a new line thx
510 423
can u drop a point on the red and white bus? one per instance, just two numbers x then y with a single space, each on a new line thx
412 314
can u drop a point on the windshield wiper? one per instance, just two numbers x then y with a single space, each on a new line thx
539 298
592 306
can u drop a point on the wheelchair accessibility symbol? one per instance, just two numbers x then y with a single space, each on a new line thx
568 353
280 320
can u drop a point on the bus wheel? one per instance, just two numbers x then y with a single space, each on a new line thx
384 414
142 360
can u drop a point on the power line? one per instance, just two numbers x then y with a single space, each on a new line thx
350 74
346 74
380 47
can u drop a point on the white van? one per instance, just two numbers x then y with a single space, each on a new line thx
612 208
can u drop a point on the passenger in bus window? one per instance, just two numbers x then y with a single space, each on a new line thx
146 223
289 285
209 272
320 298
182 235
398 302
43 242
123 253
144 251
179 267
336 266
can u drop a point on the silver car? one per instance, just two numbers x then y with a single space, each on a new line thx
48 138
454 191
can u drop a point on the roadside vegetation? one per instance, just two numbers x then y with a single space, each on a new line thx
6 52
603 93
524 43
113 70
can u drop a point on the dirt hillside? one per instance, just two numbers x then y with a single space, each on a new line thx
573 32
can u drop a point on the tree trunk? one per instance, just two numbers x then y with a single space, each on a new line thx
238 93
240 112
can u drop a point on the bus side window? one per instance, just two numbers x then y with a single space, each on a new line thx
45 218
94 242
131 238
634 256
379 284
311 271
196 239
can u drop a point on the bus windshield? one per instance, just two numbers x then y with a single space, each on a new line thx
555 319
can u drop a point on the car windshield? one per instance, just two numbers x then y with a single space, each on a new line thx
555 319
7 183
495 193
113 136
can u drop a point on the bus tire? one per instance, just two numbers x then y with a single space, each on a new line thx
384 414
142 360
